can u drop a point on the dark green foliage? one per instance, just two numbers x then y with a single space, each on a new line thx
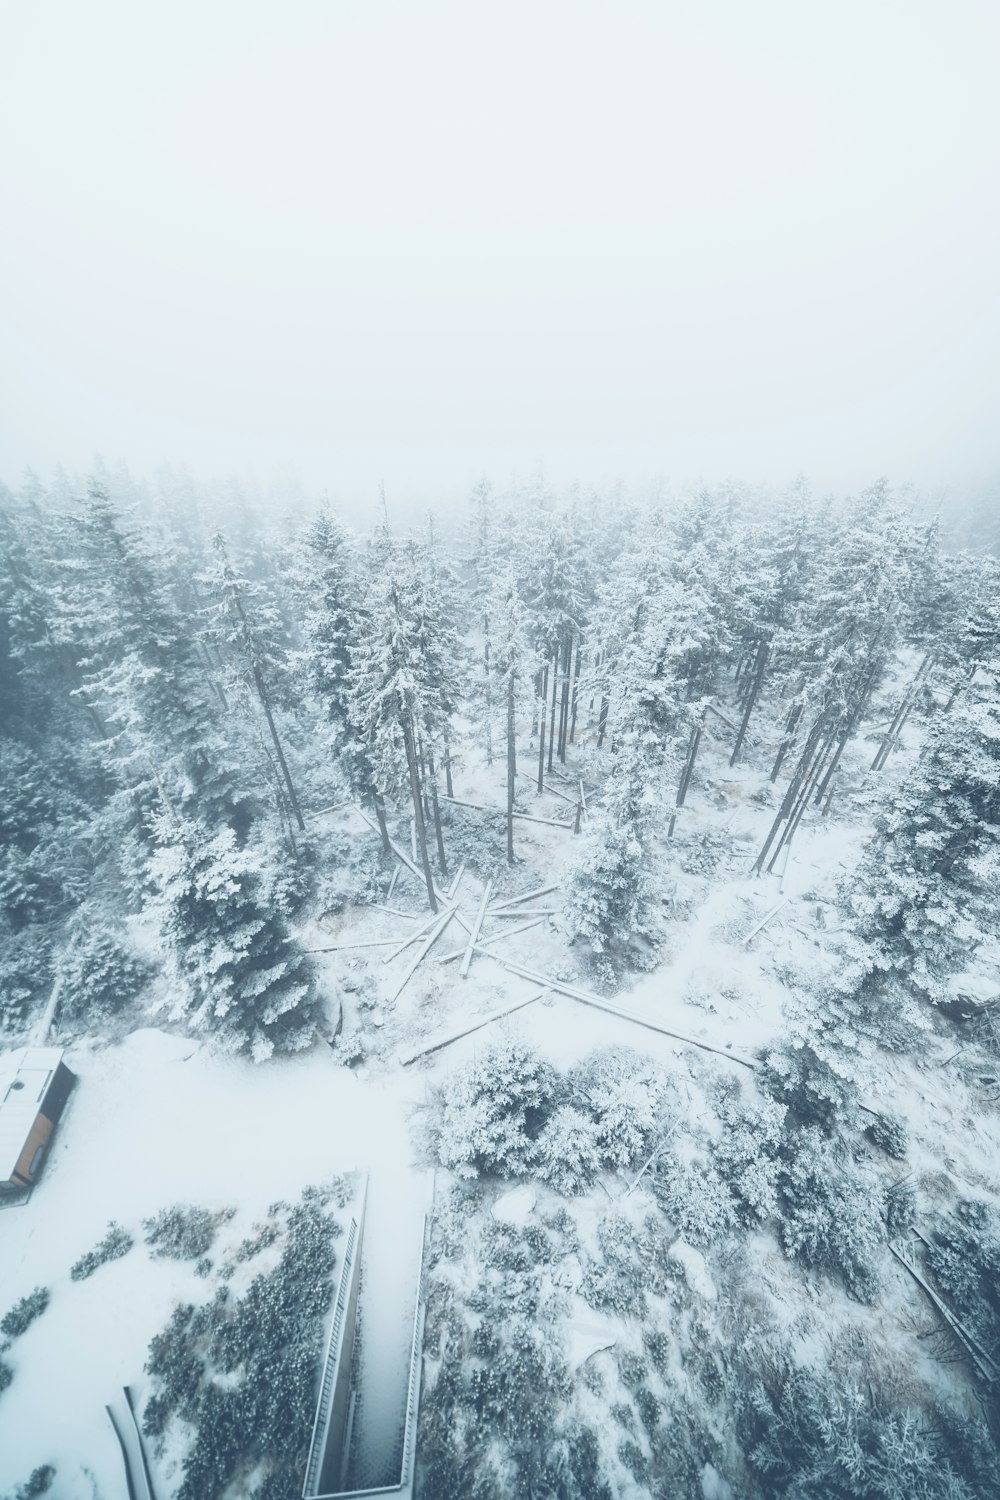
180 1233
634 1460
809 1436
813 1091
248 981
889 1134
267 1347
6 1375
695 1200
830 1216
24 1313
100 973
116 1243
618 1280
39 1482
965 1260
493 1112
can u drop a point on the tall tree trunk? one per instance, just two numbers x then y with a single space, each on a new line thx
489 689
541 727
418 809
564 705
555 695
282 762
379 806
602 720
576 692
447 768
791 724
752 695
437 813
265 700
511 767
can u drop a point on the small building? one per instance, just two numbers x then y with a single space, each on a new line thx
34 1086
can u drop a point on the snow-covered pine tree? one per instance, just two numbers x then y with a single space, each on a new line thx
139 668
244 979
246 630
923 896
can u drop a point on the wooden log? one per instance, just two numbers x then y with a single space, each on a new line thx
414 937
485 943
456 1036
440 924
455 883
763 922
981 1361
525 817
598 1003
541 890
392 882
473 935
377 943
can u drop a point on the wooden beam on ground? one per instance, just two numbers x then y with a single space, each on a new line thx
456 1036
473 935
484 943
541 890
456 882
598 1003
341 947
502 812
392 882
440 924
764 921
414 937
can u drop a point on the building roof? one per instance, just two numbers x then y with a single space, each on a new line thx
24 1077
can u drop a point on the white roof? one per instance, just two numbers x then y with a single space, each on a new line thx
31 1068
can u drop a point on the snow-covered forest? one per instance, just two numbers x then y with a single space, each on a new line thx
612 879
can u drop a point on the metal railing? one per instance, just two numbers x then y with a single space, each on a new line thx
331 1362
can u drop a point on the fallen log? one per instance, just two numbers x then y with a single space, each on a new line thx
456 1036
484 943
440 924
473 935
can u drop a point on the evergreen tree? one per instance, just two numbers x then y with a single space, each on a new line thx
922 899
244 978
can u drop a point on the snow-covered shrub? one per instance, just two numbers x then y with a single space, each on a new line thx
830 1217
618 1279
266 1347
24 1313
625 1092
813 1090
515 1394
6 1375
493 1111
632 1456
899 1208
695 1200
38 1482
746 1157
100 973
889 1134
566 1154
508 1247
265 1235
116 1243
180 1233
811 1434
965 1259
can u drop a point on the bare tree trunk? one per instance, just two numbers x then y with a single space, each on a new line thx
282 762
602 720
418 810
576 692
437 813
541 726
564 704
447 768
791 724
753 693
555 695
379 807
489 689
511 767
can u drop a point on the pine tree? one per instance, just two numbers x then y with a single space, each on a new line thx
244 978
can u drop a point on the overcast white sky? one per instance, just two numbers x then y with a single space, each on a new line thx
420 240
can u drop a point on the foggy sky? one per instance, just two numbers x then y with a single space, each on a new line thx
418 241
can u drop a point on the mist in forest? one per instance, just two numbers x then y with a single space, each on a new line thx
378 242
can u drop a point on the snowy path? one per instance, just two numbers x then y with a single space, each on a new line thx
390 1259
